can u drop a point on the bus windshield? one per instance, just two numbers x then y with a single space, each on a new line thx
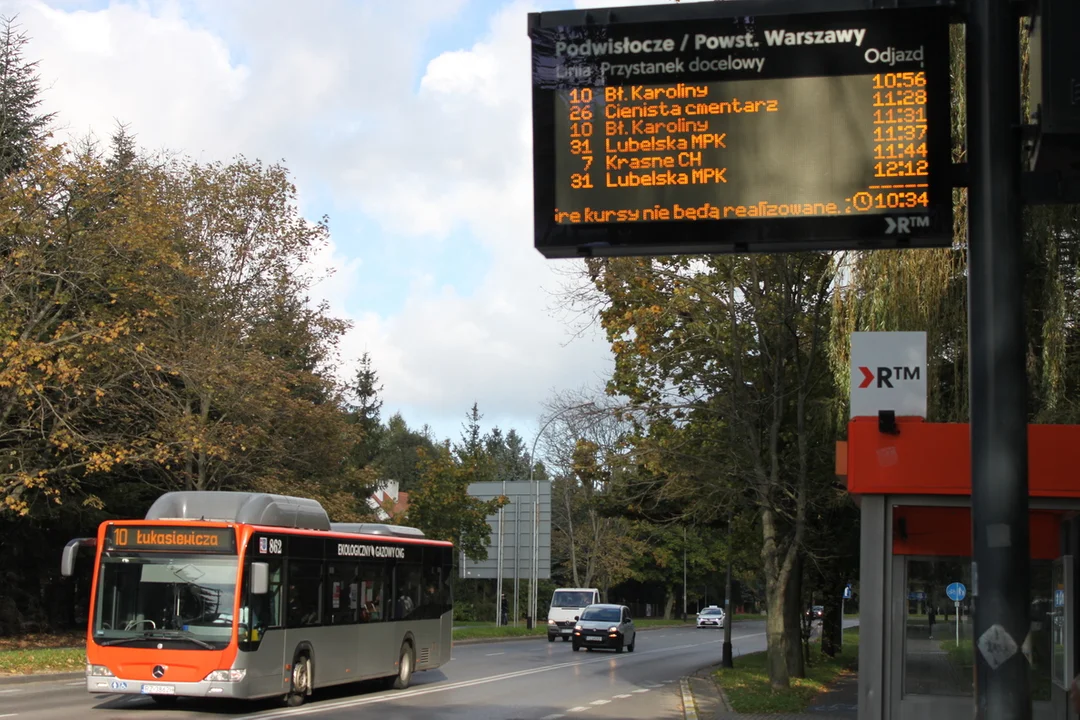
186 600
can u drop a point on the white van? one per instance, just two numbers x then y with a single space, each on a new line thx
566 605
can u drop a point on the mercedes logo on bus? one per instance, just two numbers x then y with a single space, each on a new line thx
158 671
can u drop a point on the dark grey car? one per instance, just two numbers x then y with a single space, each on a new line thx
605 626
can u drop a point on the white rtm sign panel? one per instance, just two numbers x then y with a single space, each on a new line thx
888 372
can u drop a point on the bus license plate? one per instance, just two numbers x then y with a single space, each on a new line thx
159 690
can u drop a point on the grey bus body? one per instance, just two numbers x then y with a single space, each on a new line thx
336 603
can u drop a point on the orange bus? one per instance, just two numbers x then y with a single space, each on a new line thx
252 595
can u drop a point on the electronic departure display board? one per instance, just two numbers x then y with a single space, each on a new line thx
172 537
739 134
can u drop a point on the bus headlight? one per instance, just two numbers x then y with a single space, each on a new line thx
98 671
225 676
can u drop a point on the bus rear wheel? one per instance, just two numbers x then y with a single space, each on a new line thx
405 668
299 681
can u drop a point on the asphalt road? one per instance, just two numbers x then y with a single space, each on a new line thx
519 680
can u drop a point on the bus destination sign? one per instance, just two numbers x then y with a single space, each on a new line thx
187 539
658 133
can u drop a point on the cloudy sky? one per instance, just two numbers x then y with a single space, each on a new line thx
406 121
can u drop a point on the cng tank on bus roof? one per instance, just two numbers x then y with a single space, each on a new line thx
377 529
240 507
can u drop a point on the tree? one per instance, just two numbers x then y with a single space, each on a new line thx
22 126
364 409
398 457
442 507
737 344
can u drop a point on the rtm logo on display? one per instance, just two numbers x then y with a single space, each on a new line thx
905 224
886 375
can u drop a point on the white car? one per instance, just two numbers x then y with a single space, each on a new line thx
711 616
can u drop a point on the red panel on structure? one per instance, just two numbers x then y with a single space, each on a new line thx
946 531
935 459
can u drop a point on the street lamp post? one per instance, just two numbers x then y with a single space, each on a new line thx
533 580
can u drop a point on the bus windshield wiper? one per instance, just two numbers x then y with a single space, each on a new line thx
162 635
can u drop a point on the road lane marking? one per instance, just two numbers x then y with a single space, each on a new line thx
580 708
8 692
556 716
621 697
8 715
641 690
494 654
408 694
599 702
77 682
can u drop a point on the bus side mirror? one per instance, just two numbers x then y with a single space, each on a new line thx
260 578
71 552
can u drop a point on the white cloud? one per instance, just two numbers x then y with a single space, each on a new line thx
331 87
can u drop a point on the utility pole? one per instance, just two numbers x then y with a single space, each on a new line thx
998 378
726 659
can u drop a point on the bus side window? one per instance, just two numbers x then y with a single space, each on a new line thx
408 587
339 610
304 595
372 590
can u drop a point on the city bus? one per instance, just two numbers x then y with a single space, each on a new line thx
252 595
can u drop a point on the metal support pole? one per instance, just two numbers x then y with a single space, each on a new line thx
726 659
684 573
499 567
517 559
998 379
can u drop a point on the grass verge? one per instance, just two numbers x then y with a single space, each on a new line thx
42 660
747 684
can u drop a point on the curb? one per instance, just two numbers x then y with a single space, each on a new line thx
39 678
689 707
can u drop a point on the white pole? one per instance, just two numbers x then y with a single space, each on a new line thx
499 567
957 623
517 556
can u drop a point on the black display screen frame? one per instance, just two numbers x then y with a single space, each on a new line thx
928 26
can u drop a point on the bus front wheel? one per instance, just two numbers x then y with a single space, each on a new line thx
299 681
405 668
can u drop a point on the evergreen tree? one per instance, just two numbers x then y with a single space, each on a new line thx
365 389
21 124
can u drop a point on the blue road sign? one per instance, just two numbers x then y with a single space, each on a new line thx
956 591
847 593
1059 598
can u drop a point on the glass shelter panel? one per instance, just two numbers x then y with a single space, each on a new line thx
938 643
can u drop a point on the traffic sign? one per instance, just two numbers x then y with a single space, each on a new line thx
847 593
956 591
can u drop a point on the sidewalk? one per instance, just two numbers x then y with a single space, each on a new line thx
703 700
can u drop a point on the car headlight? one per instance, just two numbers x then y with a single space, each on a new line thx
578 628
550 621
613 629
98 671
225 676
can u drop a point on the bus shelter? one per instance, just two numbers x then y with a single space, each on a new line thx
912 482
